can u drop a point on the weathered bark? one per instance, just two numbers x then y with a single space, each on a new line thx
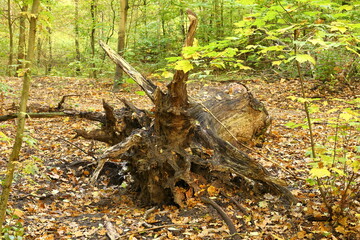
237 115
22 39
33 115
49 59
11 39
93 11
121 41
77 36
176 150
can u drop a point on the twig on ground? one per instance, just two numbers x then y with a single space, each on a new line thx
70 143
224 216
158 227
62 101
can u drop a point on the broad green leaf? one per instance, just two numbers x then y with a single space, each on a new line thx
338 171
173 59
229 52
167 74
4 138
31 168
346 116
346 7
341 29
247 2
353 51
314 108
272 48
356 165
241 66
318 41
301 58
184 65
319 172
141 93
191 53
287 29
277 63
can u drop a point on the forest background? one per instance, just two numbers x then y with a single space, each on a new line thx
232 35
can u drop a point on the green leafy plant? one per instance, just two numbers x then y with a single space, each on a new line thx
14 230
335 169
312 33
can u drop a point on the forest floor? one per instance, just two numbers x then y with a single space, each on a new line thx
53 199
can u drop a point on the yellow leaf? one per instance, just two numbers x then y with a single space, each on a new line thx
346 116
338 28
276 63
319 172
167 74
184 65
18 213
213 191
301 58
340 229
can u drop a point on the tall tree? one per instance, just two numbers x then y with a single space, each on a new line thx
14 157
121 41
49 62
77 36
22 37
11 38
93 7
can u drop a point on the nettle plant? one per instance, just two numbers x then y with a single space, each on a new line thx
335 163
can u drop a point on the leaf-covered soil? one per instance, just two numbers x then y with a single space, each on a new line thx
53 199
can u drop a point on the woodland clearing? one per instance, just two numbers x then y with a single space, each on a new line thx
53 199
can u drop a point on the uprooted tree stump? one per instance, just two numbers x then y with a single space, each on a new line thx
173 151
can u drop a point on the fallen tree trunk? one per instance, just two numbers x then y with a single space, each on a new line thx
33 115
174 152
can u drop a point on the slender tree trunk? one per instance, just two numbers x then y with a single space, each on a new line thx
22 39
112 28
11 39
145 18
216 22
130 24
137 22
231 18
50 57
39 49
93 7
14 157
121 41
221 23
77 45
182 24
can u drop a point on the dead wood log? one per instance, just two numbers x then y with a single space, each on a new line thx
40 111
172 153
34 115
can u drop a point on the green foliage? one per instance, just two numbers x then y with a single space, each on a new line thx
323 32
335 170
3 137
14 229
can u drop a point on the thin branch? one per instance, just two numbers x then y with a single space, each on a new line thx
82 150
158 227
224 216
62 101
33 115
